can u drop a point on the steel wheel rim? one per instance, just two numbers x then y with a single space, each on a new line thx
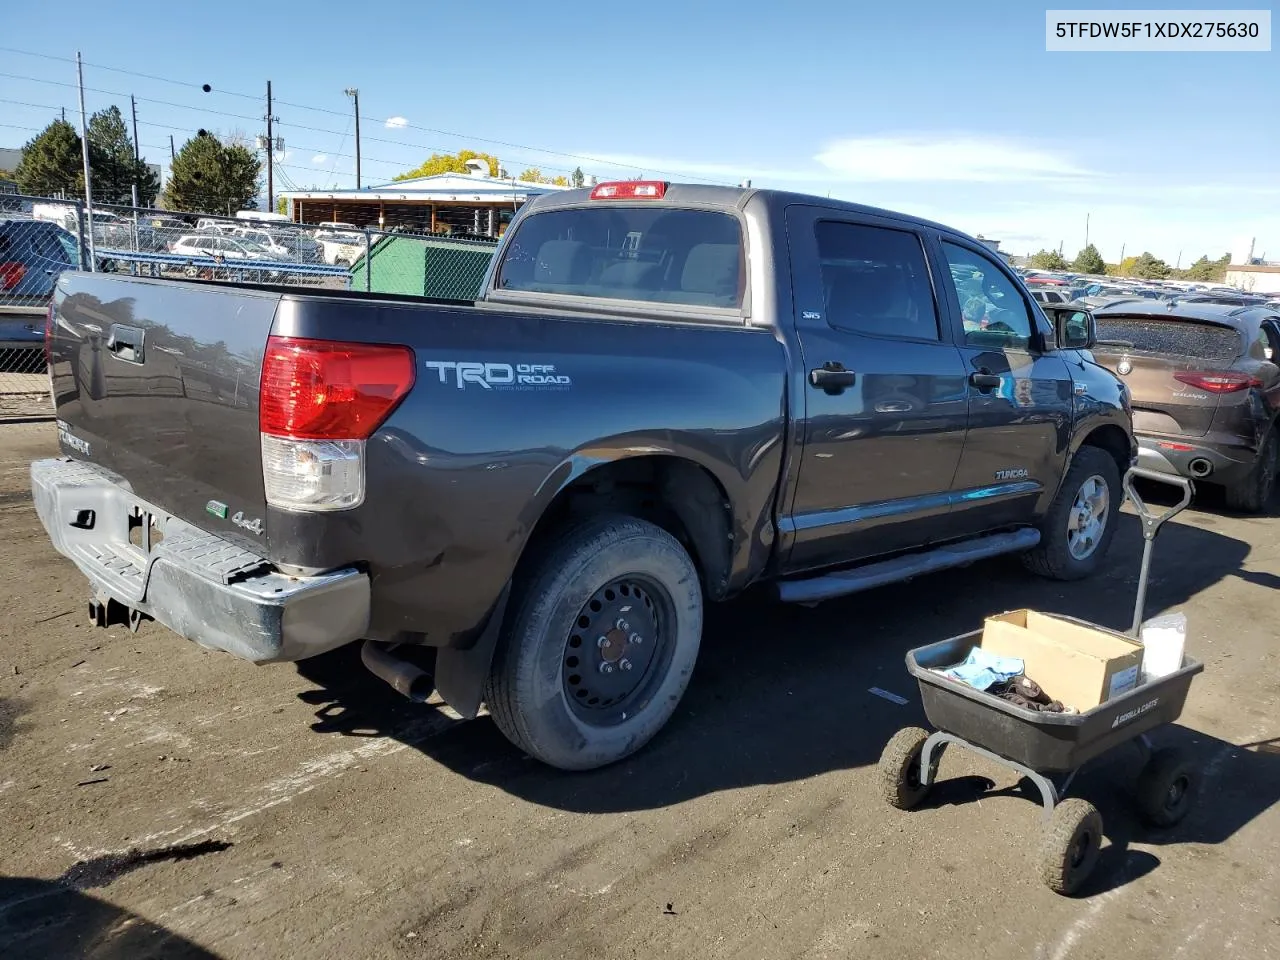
1087 520
618 650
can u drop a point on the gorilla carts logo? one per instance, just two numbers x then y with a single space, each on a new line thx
499 376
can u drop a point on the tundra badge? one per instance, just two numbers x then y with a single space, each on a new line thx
1017 473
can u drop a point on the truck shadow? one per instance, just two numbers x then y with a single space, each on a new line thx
42 918
782 694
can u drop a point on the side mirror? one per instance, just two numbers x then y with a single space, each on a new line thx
1075 329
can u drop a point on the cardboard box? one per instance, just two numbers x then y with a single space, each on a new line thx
1080 665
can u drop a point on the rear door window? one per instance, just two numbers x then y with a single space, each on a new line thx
652 254
876 281
1170 338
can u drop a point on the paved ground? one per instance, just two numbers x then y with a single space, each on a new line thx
162 801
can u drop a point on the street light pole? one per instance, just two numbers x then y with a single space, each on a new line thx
354 94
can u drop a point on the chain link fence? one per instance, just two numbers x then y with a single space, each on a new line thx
40 237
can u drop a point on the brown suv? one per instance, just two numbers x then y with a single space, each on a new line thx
1205 390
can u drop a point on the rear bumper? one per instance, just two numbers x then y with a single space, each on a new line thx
1227 463
196 584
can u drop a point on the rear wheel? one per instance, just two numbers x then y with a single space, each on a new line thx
1077 530
600 646
1253 494
1166 788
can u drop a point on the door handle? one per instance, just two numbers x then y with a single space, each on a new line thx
832 378
985 380
125 342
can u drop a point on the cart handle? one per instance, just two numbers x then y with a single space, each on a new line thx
1151 523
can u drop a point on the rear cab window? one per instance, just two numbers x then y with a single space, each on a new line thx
651 254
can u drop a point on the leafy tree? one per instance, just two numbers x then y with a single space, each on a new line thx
578 178
450 163
52 162
1202 269
534 175
111 157
1149 267
1048 260
282 206
1089 260
209 176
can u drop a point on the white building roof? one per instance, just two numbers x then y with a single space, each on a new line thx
440 187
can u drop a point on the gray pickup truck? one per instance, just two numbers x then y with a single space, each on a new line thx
666 393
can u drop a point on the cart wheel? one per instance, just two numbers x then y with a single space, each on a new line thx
1070 846
1166 788
900 768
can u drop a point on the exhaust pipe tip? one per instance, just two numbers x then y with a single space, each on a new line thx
404 677
1200 467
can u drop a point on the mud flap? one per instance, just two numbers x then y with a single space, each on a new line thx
460 674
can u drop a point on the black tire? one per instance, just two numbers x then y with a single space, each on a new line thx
899 769
1053 557
1070 845
1167 788
1253 493
528 689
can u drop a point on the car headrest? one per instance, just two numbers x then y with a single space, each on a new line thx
711 268
562 261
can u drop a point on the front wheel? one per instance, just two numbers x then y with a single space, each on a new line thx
1078 527
600 645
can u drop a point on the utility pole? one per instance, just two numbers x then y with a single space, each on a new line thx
137 163
354 94
271 152
1179 266
1086 229
173 155
88 174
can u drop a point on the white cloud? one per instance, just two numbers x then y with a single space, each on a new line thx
319 158
948 157
396 123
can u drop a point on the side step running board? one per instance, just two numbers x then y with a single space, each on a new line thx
844 582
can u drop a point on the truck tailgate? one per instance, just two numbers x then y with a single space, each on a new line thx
158 382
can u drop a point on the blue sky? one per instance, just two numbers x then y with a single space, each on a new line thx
951 111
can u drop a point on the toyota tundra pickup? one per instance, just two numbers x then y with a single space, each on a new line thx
665 393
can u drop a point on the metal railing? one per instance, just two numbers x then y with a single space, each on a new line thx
40 237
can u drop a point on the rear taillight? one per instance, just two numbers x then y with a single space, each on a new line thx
320 401
1218 381
11 274
630 190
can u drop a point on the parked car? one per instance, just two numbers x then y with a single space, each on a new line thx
116 232
283 244
340 249
220 247
212 225
545 486
1206 390
32 255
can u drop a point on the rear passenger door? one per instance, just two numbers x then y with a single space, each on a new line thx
884 391
1020 392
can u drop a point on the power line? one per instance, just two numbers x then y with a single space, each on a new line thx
325 110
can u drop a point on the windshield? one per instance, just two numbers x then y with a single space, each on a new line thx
654 254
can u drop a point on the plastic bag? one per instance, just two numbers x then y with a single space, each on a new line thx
1164 639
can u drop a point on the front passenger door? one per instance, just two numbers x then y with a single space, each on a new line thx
1020 394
